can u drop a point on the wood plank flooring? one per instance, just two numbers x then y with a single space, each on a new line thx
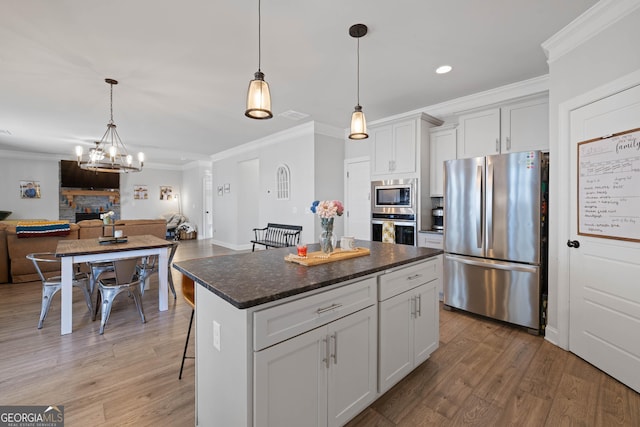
484 373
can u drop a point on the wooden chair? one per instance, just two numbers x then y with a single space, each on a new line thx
52 284
188 291
125 278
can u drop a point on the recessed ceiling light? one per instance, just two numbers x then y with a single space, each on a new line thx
444 69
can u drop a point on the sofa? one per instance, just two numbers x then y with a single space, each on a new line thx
16 268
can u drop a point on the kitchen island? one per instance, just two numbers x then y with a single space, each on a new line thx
278 343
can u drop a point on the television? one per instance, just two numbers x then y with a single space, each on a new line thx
71 176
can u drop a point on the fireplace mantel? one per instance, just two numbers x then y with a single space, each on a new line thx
113 195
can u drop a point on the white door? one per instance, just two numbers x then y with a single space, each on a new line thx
358 199
207 213
604 311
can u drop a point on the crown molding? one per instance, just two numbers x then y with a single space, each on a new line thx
592 22
305 129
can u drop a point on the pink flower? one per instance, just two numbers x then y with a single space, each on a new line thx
327 208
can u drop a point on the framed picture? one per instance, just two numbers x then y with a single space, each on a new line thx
220 190
140 192
166 193
227 188
30 189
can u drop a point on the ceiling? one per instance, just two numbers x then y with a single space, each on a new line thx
184 67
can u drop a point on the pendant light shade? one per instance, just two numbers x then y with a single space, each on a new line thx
258 95
258 98
358 122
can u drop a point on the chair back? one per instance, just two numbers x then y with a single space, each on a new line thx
172 252
125 270
37 257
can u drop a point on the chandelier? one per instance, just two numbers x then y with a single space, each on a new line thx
109 154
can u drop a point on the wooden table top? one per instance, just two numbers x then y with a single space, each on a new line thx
69 247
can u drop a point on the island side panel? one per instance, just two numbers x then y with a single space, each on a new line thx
224 378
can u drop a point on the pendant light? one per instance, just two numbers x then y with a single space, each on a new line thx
358 122
109 154
258 96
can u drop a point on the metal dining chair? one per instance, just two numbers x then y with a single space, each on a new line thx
52 284
150 266
124 278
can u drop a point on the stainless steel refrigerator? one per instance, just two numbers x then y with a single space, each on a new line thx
495 236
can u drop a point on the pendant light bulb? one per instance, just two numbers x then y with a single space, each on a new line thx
358 121
258 95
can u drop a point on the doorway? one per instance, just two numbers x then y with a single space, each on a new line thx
358 198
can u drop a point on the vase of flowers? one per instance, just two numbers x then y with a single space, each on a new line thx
107 218
327 210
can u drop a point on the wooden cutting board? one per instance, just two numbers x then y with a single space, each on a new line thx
317 258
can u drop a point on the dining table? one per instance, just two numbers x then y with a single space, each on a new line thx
77 251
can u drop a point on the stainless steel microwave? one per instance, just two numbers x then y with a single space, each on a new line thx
397 196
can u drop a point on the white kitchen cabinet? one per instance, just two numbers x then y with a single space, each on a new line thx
408 321
443 147
399 147
519 126
394 148
525 126
323 377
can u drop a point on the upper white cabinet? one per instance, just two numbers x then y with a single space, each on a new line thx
525 126
443 147
398 146
520 126
479 133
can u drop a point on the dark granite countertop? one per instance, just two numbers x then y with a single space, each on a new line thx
249 279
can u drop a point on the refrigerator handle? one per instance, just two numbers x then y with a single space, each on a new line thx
479 207
489 207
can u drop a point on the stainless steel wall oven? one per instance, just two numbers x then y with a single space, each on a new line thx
394 201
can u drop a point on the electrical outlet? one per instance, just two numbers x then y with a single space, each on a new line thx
216 335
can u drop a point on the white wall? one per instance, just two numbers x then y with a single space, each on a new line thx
606 56
152 207
18 167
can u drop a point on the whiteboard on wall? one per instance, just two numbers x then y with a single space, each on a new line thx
609 186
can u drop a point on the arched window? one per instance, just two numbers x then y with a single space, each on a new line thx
283 182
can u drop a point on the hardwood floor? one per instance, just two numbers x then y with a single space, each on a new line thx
484 373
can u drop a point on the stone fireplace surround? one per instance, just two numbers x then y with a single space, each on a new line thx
88 203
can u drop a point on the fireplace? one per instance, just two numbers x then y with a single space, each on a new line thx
81 216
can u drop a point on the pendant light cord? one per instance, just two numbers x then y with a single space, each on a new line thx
259 34
358 73
111 99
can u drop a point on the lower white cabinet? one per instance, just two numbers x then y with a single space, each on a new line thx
408 331
323 377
